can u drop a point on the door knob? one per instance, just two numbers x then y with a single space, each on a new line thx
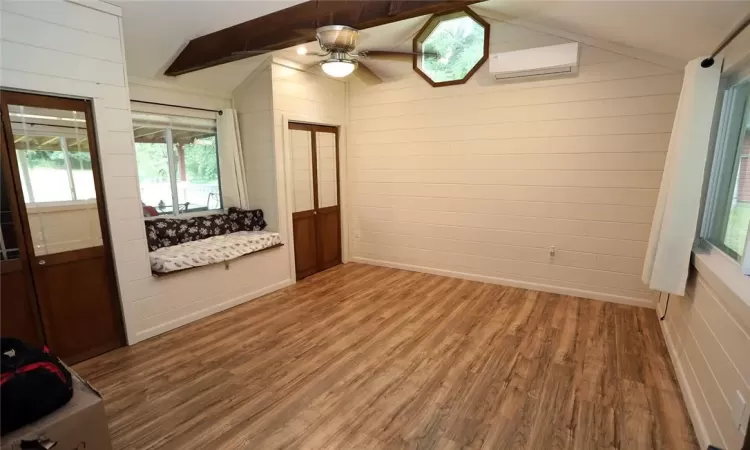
42 262
315 212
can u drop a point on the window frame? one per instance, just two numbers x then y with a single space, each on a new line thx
427 29
722 177
173 169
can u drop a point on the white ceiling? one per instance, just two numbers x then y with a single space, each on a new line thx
680 29
155 31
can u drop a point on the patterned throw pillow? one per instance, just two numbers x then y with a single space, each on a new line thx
196 228
161 233
247 220
220 223
152 237
168 232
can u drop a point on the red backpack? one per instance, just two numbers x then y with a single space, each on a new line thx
33 383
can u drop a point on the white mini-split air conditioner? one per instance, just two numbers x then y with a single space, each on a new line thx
552 60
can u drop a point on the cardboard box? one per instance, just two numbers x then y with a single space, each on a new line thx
80 424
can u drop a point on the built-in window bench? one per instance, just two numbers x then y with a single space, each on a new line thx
181 244
213 250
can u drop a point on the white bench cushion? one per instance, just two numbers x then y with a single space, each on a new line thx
211 250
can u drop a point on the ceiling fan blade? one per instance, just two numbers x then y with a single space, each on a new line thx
366 75
385 55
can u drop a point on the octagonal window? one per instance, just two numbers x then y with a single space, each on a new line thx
456 45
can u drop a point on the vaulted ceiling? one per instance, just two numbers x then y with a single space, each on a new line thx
156 31
297 25
675 28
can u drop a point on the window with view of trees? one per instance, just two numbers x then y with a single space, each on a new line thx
729 207
47 162
52 152
455 45
178 166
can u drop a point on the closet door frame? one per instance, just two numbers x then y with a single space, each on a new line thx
316 211
69 104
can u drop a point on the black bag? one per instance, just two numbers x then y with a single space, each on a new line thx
33 383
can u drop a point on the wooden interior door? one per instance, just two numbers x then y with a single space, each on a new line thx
316 214
54 165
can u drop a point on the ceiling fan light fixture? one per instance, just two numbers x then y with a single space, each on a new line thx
338 68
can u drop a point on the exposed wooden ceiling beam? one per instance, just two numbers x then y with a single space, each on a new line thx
296 25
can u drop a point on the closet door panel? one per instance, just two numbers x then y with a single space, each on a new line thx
327 165
305 244
303 201
329 217
303 192
55 167
329 237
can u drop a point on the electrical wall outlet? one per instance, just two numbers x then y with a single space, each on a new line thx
740 411
552 251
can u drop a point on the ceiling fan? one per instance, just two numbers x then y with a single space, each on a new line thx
338 45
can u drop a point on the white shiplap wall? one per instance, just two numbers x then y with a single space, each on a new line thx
70 49
171 93
253 100
708 335
480 180
300 96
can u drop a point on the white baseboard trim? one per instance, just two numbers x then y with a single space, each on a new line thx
641 302
687 394
205 312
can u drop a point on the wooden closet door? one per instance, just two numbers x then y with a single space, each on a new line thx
316 220
55 166
328 211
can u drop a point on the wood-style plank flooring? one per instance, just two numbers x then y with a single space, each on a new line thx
363 357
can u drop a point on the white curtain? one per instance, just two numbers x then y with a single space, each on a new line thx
677 208
231 165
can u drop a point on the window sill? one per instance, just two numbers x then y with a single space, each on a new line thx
72 205
188 215
724 276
